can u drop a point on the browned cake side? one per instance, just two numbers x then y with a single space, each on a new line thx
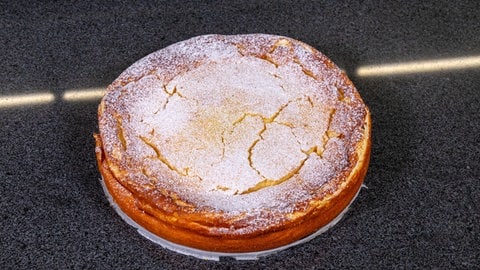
233 143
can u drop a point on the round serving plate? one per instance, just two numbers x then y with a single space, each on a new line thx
211 255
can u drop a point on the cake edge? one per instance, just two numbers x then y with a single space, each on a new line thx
319 213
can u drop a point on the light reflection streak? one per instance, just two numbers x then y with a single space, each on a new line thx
27 99
92 94
419 66
83 94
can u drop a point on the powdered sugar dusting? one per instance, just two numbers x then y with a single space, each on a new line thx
240 124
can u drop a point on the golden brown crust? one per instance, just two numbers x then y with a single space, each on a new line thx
168 214
317 217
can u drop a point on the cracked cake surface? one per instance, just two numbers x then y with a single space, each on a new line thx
241 134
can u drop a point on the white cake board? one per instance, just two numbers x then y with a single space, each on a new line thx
210 255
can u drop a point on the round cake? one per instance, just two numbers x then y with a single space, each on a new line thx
238 143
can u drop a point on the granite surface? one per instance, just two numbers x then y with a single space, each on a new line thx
422 205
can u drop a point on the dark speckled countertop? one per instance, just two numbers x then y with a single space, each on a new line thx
422 205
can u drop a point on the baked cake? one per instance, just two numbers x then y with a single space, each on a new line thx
237 143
